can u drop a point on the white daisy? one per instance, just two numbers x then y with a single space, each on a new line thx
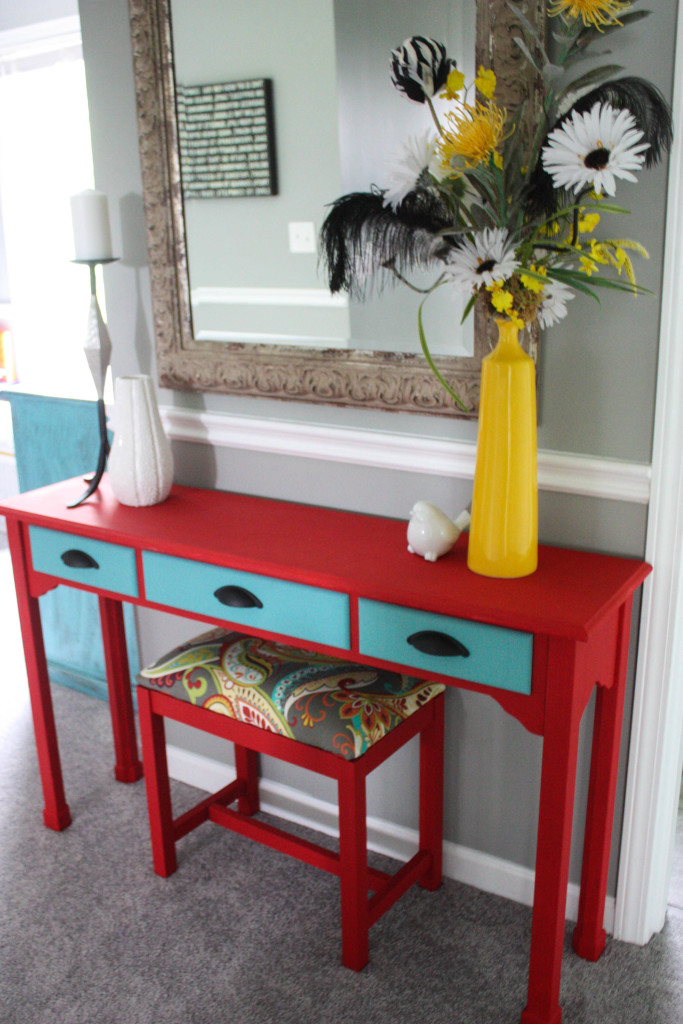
418 155
487 258
554 305
594 148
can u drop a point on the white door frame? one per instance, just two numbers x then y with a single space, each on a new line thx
655 753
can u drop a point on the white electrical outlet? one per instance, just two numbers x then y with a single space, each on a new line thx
302 236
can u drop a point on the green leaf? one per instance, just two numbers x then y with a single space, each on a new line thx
432 365
528 272
588 79
601 207
577 278
625 19
525 50
531 30
578 285
468 307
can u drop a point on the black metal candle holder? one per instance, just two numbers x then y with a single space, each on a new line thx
98 368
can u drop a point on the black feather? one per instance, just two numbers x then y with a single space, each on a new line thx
649 108
540 197
360 237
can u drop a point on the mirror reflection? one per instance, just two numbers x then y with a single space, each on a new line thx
337 121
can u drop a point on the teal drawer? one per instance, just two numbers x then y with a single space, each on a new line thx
95 563
293 609
473 651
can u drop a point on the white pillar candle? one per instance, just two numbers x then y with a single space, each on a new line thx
90 216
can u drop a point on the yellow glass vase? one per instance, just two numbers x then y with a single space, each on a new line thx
503 540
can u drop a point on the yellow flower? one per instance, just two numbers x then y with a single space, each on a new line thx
622 261
619 258
500 299
551 228
454 85
591 12
532 284
588 222
472 135
485 82
628 243
599 252
588 266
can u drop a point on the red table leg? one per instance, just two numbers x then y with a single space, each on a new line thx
431 794
589 935
128 767
56 813
564 707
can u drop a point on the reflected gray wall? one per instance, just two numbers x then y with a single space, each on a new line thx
334 133
598 373
18 13
244 242
374 121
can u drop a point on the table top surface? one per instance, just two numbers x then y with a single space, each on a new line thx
569 595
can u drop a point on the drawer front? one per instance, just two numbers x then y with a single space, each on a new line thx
260 602
459 648
95 563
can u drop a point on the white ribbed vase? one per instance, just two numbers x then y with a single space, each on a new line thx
140 461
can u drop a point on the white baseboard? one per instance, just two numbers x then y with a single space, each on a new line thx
471 867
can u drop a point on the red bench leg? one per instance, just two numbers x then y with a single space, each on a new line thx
353 867
246 766
153 740
431 794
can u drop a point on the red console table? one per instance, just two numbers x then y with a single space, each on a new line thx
344 583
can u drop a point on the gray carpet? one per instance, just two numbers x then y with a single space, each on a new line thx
241 934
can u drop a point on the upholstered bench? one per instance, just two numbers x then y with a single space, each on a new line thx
331 716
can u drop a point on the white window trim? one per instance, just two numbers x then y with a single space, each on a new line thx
655 753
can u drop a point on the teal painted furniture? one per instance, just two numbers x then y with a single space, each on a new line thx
54 439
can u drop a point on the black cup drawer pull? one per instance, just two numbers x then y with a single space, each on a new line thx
76 559
429 641
237 597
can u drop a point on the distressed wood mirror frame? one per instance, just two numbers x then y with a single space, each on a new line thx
401 382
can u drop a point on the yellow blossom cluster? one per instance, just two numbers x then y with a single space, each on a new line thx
598 13
519 298
473 131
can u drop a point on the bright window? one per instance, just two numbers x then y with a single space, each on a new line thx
45 157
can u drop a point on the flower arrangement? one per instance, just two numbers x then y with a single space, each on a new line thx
512 227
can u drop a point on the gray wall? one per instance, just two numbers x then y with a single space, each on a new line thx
375 121
597 384
320 155
18 13
244 242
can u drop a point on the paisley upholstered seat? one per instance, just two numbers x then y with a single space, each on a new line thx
332 716
316 699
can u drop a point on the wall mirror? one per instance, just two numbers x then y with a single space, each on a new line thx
236 308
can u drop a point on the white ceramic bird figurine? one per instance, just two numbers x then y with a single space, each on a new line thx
431 533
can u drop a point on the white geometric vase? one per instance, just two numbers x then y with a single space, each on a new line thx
140 462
